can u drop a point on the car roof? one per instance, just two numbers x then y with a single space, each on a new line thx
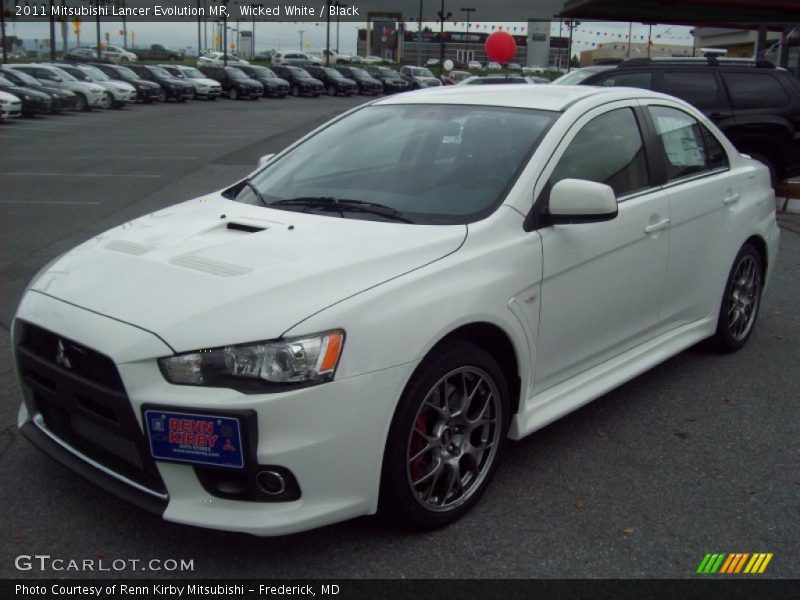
543 97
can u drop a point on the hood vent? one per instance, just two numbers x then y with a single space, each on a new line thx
245 228
128 247
212 267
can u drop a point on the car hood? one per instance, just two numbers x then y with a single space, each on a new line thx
186 275
206 81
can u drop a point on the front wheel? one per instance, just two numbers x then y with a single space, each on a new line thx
445 437
233 94
81 103
331 90
296 91
107 101
740 302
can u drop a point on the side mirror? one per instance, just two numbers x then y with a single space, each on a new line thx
265 159
581 201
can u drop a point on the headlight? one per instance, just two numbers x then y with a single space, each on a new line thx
311 359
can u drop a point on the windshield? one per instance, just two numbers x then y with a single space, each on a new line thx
388 72
333 73
440 164
21 78
192 73
574 77
96 74
63 74
299 73
421 72
126 73
8 82
234 73
161 72
359 72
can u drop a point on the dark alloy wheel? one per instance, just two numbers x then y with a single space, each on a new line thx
741 300
445 437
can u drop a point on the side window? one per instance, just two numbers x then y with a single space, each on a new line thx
608 150
700 89
689 148
637 80
755 90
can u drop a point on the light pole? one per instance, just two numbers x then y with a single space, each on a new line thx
301 32
199 32
253 33
469 11
419 36
224 33
338 4
327 33
443 17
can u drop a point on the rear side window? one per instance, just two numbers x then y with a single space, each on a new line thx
636 80
689 148
699 89
755 90
608 150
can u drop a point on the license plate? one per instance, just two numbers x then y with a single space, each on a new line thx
196 439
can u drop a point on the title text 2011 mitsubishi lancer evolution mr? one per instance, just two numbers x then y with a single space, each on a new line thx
361 330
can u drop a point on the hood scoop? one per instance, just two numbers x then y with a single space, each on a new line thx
128 247
245 228
212 267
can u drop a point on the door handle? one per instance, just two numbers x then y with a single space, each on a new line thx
727 200
657 226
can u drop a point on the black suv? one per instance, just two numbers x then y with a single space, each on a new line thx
234 82
300 82
392 80
146 91
172 87
334 82
756 105
273 85
366 83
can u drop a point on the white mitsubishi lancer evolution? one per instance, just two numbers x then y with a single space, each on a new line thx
363 321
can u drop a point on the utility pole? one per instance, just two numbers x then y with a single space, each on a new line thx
419 36
338 4
630 32
253 33
649 40
199 33
469 11
97 20
443 17
3 30
327 33
301 32
52 33
225 34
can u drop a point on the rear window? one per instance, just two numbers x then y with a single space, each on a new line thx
699 89
755 90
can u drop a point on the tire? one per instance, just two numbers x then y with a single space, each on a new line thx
81 104
108 101
331 90
233 94
194 94
741 300
162 95
420 473
773 173
295 90
124 60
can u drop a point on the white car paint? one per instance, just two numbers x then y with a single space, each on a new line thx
121 92
585 307
10 106
52 75
203 86
217 59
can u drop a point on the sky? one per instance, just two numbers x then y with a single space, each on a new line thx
285 36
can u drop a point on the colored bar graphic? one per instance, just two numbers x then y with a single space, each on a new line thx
734 563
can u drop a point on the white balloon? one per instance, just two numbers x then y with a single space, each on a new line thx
448 65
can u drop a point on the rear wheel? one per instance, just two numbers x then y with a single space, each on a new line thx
445 437
740 302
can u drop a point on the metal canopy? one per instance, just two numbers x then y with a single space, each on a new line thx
741 12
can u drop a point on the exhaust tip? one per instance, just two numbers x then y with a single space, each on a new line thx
271 482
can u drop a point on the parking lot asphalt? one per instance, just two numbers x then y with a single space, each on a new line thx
701 454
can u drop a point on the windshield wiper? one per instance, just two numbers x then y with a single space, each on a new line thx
255 191
328 203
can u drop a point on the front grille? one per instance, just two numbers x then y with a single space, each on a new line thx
80 395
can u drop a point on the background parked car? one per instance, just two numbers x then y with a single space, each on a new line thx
146 91
235 84
419 77
157 52
217 59
474 64
454 77
114 54
204 87
117 93
300 81
273 85
62 99
334 82
80 53
367 84
390 79
172 87
295 58
367 60
754 104
89 95
493 80
575 76
10 106
33 102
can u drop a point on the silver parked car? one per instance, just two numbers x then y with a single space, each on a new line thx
90 95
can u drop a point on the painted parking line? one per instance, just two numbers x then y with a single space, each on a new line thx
52 202
21 174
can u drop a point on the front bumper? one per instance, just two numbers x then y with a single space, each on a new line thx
330 437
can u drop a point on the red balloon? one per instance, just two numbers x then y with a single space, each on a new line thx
501 47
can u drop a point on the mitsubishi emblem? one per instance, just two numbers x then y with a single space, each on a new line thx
61 356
